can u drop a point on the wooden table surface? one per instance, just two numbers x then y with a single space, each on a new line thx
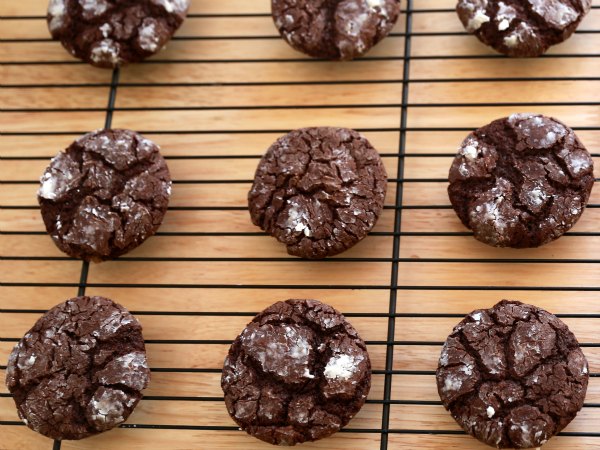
214 100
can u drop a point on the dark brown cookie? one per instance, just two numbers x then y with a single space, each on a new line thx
80 370
522 28
318 190
109 33
334 29
105 194
521 181
512 376
298 372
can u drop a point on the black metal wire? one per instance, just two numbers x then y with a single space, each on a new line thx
391 332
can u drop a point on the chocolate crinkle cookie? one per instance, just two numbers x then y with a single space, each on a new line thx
105 194
80 370
522 28
512 376
334 29
521 181
109 33
318 190
298 372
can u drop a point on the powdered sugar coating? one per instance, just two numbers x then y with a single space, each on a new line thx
343 29
105 194
56 14
556 12
298 372
67 374
130 370
93 8
148 37
341 366
174 6
63 175
536 388
522 28
520 181
343 370
283 350
318 190
478 19
106 51
107 408
506 13
109 33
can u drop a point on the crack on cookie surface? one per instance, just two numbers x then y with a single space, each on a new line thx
513 375
522 28
521 181
108 33
334 29
298 372
80 370
318 190
105 194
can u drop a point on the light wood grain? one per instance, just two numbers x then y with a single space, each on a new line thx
263 72
249 301
500 68
30 75
58 98
197 100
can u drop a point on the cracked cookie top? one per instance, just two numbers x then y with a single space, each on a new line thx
522 28
318 190
334 29
109 33
298 372
79 370
521 181
513 375
105 194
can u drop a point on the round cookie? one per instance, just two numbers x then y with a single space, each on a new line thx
334 29
513 375
79 370
318 190
105 194
522 28
109 33
521 181
298 372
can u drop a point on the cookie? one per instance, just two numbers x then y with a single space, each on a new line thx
318 190
521 181
298 372
110 33
522 28
80 370
513 375
334 29
105 194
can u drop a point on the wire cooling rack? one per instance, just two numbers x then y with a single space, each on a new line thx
224 89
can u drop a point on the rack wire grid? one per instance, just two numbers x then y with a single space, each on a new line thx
224 89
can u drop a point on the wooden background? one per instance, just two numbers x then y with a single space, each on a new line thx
222 91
